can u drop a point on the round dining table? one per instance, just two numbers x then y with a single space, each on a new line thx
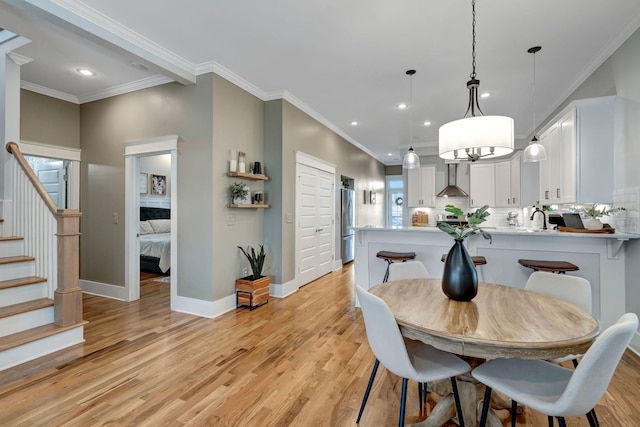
500 322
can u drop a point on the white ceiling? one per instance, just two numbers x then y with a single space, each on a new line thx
340 60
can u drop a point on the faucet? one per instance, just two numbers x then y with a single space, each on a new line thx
544 217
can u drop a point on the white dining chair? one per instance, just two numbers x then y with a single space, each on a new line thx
408 270
572 289
552 389
406 358
399 271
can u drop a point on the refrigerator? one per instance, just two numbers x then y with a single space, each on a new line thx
347 220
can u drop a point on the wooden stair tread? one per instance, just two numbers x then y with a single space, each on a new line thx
10 238
13 259
34 334
24 307
21 281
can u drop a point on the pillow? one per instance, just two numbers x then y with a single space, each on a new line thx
145 228
160 225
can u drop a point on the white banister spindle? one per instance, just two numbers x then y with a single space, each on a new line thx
34 221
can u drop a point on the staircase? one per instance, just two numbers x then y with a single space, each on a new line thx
27 328
40 300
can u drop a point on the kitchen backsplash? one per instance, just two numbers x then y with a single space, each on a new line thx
627 221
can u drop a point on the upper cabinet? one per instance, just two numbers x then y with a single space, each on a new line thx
421 183
482 184
496 184
579 144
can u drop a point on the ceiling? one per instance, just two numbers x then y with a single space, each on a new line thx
340 61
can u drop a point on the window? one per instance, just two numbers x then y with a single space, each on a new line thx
395 200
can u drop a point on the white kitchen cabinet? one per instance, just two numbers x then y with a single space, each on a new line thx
482 184
579 143
502 177
515 163
421 183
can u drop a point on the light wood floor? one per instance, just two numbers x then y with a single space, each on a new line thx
299 361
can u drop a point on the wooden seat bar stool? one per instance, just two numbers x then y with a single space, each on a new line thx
560 267
477 260
392 257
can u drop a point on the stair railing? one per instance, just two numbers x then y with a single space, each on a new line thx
51 235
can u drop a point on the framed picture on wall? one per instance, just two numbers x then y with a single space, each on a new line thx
158 185
143 183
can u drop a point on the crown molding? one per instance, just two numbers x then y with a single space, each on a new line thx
125 88
225 73
49 92
100 28
19 59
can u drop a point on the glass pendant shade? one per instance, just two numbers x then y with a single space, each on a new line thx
535 152
411 160
484 136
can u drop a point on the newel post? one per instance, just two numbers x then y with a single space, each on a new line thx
68 295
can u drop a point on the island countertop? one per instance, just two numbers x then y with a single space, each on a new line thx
513 231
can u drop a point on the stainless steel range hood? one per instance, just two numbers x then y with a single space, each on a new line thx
452 190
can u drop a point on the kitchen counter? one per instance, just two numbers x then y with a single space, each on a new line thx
600 257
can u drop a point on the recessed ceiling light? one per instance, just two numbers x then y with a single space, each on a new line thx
402 106
354 123
85 72
389 154
427 123
485 95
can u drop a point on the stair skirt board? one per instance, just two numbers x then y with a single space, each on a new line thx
23 293
26 352
23 321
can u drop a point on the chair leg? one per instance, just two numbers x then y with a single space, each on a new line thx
550 420
420 395
485 406
366 393
456 397
403 402
424 395
561 422
514 412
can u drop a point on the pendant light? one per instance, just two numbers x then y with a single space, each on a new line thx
475 136
411 159
535 151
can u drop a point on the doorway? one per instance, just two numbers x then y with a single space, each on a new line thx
395 200
135 152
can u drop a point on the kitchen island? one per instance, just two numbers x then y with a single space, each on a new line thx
601 258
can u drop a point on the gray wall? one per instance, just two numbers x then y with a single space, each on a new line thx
238 123
300 132
49 120
163 110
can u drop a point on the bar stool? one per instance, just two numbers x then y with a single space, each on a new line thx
559 267
392 257
477 260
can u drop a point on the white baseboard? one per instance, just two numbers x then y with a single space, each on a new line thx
104 290
337 264
208 309
277 290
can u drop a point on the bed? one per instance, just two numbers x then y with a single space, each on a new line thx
155 240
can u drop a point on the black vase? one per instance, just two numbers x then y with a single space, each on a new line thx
459 279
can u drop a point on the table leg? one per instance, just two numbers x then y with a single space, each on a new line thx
471 398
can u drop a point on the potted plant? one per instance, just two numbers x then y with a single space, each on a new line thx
253 290
239 193
459 278
594 213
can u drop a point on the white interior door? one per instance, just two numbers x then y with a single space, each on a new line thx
52 174
315 223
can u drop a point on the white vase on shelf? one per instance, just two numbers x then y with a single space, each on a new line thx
594 224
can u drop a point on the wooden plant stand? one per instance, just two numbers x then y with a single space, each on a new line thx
252 293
